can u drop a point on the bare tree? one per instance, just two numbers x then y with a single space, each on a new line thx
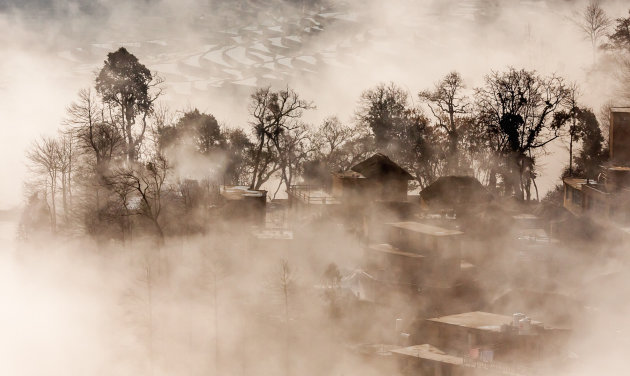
268 163
120 209
44 157
448 104
66 160
147 182
329 141
336 147
295 148
273 113
517 108
594 23
96 135
283 284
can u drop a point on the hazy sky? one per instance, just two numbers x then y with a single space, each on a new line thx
209 54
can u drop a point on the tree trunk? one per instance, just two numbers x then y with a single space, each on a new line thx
53 209
492 180
257 162
130 148
536 189
64 196
571 151
453 167
159 231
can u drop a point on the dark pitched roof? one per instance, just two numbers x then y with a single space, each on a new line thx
379 165
452 190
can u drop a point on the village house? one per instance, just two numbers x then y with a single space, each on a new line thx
454 193
417 259
474 343
244 204
371 193
606 200
377 178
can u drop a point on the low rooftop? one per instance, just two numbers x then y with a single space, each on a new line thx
532 234
239 192
619 168
389 249
575 183
477 320
429 352
423 228
525 216
272 234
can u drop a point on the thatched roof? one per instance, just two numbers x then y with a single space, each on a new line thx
379 166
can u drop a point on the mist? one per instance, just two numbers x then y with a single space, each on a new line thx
53 48
194 287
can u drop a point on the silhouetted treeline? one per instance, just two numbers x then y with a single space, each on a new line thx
124 165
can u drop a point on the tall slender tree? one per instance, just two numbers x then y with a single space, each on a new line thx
594 24
127 86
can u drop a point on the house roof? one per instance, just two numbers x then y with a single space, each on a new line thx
429 352
379 165
450 190
272 234
576 183
425 229
619 168
477 320
240 192
349 174
356 274
389 249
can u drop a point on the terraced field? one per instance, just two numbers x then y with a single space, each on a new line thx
257 45
240 57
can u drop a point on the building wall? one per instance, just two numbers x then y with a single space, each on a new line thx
442 264
596 202
620 137
357 190
394 268
573 199
393 189
249 210
507 347
426 244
